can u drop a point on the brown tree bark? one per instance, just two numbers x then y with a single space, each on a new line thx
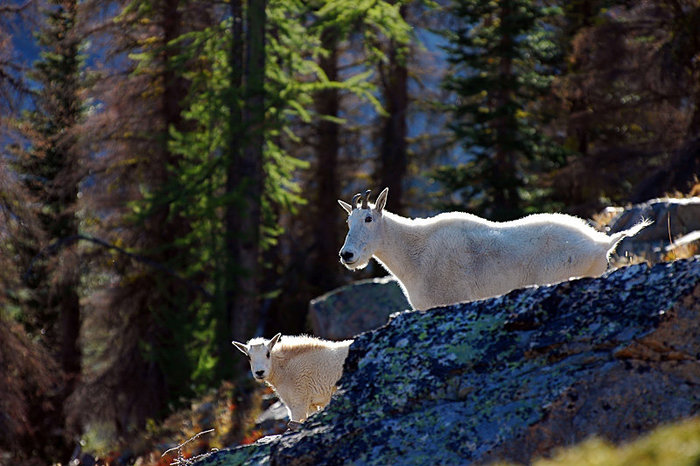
324 268
393 156
245 175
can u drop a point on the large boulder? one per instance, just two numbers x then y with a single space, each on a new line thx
511 377
677 219
352 309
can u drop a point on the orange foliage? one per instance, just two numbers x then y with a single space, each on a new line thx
252 437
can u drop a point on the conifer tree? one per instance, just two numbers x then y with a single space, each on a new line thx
223 108
51 170
393 75
500 52
245 176
377 30
326 178
626 94
146 309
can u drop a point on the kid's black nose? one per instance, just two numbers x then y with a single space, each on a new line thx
347 255
259 374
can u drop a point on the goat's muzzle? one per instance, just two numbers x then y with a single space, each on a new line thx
346 256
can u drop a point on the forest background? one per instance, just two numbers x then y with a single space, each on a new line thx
169 169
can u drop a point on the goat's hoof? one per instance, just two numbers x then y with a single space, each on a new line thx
294 425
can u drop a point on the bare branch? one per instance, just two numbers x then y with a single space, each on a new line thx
14 9
180 458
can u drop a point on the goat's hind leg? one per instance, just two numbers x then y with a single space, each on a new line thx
597 268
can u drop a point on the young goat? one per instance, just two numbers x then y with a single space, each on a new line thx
302 370
456 256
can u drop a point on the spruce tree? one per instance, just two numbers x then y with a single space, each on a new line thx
51 171
146 309
500 53
393 150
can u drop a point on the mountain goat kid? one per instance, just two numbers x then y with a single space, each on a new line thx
302 370
456 256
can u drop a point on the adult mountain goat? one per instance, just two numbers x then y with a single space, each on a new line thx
456 256
303 370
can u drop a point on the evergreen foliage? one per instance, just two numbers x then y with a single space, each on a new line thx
51 173
626 102
502 54
200 146
292 79
142 312
50 167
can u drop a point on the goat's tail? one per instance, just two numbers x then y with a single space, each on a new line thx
615 238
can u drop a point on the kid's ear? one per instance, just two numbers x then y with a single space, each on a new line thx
241 347
273 341
346 207
381 200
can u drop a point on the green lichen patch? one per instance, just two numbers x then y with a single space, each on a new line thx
467 382
256 454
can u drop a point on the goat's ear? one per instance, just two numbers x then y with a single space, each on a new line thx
241 347
346 207
273 341
381 200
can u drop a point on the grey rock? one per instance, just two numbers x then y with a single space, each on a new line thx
511 377
352 309
273 420
673 218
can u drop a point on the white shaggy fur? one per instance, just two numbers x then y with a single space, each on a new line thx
456 256
302 370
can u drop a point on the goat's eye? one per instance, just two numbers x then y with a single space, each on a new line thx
268 355
368 219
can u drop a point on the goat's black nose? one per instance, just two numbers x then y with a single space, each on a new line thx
259 373
347 255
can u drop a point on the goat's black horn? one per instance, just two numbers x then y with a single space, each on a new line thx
365 199
355 198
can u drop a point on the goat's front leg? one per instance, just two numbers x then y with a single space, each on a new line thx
297 414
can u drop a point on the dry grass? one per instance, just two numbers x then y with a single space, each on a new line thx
671 445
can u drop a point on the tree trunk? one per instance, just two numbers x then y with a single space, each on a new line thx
324 269
245 173
68 303
233 176
694 126
393 144
504 174
66 224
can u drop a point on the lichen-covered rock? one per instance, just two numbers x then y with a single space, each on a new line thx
510 377
673 218
352 309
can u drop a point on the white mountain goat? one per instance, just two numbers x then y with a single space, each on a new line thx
302 370
456 256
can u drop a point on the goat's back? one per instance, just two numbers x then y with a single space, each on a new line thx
310 356
467 258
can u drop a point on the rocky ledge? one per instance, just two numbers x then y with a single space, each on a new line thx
511 377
